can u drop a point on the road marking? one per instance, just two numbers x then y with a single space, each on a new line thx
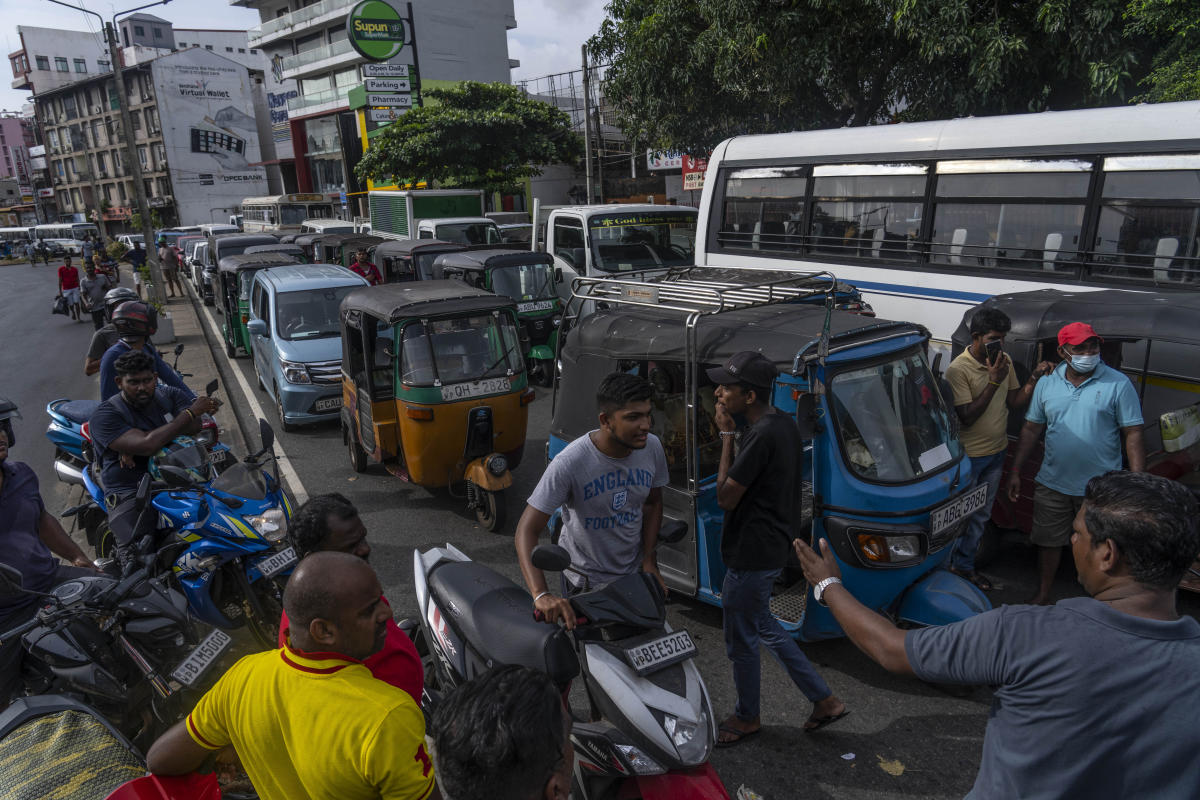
285 465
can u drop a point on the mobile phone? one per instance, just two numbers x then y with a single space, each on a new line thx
991 350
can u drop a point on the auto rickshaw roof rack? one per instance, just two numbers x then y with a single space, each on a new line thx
697 291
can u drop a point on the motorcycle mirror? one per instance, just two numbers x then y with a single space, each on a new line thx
175 476
10 582
551 557
211 387
143 492
267 434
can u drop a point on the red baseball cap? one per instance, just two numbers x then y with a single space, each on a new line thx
1077 333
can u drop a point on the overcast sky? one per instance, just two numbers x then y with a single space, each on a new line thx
547 38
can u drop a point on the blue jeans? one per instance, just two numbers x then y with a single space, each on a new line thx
983 470
746 599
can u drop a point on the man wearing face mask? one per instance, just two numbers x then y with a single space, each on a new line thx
1087 410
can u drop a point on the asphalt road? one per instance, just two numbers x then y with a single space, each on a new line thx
902 739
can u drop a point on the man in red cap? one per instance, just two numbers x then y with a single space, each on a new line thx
1087 409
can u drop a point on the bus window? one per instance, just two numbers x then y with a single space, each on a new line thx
764 209
868 215
1148 227
975 224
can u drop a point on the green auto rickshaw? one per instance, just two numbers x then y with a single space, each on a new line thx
235 276
339 248
401 260
527 277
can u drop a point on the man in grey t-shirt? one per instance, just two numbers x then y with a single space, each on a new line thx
1095 696
609 486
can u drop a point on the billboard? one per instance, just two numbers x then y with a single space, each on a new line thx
206 108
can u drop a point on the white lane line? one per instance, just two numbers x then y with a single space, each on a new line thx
285 464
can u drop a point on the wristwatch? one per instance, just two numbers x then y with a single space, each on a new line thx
819 589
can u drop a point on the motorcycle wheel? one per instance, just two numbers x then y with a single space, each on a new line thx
358 456
491 511
265 628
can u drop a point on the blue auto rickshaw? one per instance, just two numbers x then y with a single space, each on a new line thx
885 478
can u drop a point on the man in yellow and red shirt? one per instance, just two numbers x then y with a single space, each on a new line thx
310 721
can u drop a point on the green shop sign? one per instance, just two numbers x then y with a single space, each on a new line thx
376 30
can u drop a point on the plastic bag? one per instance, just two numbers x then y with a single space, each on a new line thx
60 306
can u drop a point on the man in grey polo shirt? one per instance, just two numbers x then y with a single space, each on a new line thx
1087 409
1095 696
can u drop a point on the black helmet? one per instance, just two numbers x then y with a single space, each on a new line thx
135 319
114 298
8 410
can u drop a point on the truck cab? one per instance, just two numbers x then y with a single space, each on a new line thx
607 240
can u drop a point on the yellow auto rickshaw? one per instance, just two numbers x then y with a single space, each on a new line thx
434 387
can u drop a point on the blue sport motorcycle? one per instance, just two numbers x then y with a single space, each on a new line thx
222 538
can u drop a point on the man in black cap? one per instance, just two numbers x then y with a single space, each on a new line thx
758 488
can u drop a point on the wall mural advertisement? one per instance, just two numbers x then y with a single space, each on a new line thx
206 108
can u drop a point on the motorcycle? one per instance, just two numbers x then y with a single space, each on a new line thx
67 431
222 538
126 647
648 729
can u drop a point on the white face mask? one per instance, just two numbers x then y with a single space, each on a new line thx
1085 364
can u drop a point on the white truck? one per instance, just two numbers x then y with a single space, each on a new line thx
606 240
452 215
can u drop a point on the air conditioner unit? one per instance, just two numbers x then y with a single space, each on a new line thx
97 110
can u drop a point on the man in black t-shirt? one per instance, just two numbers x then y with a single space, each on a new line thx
758 490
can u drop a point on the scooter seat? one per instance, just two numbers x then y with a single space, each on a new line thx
496 617
79 411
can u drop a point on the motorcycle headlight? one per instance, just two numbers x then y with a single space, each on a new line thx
294 372
271 524
497 465
690 738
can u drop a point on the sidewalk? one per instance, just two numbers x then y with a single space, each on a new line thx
197 359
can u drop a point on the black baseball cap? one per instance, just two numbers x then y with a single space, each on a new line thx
748 366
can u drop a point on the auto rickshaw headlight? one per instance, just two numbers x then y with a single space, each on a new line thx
879 549
497 464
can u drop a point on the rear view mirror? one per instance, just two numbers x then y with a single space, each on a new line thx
256 327
267 434
10 582
211 387
178 349
806 415
558 275
551 557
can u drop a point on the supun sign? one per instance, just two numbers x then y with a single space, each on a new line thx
376 30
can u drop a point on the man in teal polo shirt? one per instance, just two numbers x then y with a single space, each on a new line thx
1087 409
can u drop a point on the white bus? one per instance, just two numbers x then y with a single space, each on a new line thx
931 218
65 230
14 235
284 213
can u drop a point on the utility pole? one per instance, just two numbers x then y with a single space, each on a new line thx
587 125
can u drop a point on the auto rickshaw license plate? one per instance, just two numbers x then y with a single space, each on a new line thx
461 391
654 655
201 658
957 510
537 305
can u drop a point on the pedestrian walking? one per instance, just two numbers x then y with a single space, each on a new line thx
31 253
168 261
985 389
758 490
92 289
88 248
1087 410
137 259
68 286
44 251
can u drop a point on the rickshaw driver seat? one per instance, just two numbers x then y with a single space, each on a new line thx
497 614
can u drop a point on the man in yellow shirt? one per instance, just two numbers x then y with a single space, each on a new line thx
985 387
309 721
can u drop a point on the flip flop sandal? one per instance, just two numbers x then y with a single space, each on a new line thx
816 723
739 735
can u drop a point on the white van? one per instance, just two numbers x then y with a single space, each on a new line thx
216 228
326 226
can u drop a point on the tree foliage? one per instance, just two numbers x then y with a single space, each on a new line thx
488 136
686 74
1175 70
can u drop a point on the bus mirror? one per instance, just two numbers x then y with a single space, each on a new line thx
806 415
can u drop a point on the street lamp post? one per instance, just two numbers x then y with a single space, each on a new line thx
134 164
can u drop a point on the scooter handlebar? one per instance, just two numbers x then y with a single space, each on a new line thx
20 630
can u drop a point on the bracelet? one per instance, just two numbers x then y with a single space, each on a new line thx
188 411
727 434
540 596
993 383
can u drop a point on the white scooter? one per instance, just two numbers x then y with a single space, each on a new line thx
650 722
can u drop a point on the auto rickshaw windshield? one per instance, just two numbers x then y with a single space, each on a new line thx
892 423
524 282
245 283
459 349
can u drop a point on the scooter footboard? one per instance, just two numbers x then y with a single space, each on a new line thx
940 598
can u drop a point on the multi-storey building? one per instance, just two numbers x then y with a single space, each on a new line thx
51 57
318 139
